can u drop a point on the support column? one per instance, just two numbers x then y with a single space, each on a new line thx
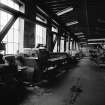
59 39
69 42
49 37
73 43
29 27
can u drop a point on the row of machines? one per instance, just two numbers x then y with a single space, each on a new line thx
31 70
98 55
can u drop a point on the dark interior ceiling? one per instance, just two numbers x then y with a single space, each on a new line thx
96 17
78 13
89 13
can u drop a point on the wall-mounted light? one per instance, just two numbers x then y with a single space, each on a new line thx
64 11
72 23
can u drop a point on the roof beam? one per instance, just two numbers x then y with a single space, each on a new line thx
53 16
19 14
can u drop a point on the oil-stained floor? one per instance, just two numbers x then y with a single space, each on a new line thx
85 76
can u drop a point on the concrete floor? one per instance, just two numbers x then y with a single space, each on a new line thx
86 75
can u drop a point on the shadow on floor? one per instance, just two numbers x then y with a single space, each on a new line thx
12 95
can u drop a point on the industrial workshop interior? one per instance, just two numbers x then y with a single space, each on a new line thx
52 52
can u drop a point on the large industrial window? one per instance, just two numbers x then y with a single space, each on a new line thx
41 19
55 29
12 38
40 35
55 42
62 44
67 45
71 44
4 18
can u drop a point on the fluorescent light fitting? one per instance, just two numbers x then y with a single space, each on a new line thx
71 23
79 33
64 11
96 39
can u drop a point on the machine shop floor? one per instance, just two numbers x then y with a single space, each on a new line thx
86 75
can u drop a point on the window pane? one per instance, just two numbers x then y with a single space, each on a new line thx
62 45
16 6
16 24
54 29
40 35
41 19
6 48
55 42
10 35
70 44
12 38
55 47
67 46
10 48
5 39
16 36
10 3
15 48
4 2
43 35
4 18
